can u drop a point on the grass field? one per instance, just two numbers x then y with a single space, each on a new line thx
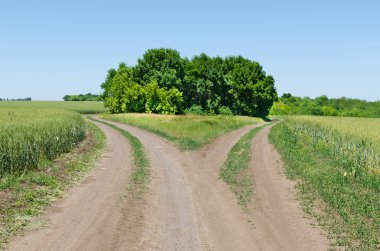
85 107
29 136
337 163
188 132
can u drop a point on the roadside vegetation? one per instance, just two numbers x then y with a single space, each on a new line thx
236 171
140 178
30 136
337 164
83 107
24 196
163 82
188 132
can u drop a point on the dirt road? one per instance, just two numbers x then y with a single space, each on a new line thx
185 208
279 222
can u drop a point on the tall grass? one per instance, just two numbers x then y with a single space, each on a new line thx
29 136
189 132
337 163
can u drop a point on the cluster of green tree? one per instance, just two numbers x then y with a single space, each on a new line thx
323 106
82 97
16 99
164 82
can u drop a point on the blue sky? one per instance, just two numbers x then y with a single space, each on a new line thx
52 48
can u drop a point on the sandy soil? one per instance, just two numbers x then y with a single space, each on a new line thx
185 208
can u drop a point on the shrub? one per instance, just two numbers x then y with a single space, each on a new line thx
224 110
195 110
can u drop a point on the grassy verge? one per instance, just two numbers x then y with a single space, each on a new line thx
343 197
189 132
24 197
235 171
139 179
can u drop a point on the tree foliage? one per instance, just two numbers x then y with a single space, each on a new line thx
82 97
165 66
324 106
164 82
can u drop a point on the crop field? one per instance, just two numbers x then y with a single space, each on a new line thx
84 107
29 136
189 132
338 163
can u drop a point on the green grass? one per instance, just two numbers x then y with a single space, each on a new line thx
139 179
235 171
189 132
31 135
84 107
23 197
335 162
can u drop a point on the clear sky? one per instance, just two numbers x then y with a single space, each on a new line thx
52 48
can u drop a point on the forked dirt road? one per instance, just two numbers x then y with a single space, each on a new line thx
185 208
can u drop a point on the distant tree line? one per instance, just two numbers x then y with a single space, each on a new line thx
82 97
16 99
164 82
324 106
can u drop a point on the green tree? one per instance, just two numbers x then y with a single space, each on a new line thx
163 82
206 83
165 66
159 100
106 85
253 93
121 94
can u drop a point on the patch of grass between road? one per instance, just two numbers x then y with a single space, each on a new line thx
236 170
139 179
343 197
24 197
189 132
